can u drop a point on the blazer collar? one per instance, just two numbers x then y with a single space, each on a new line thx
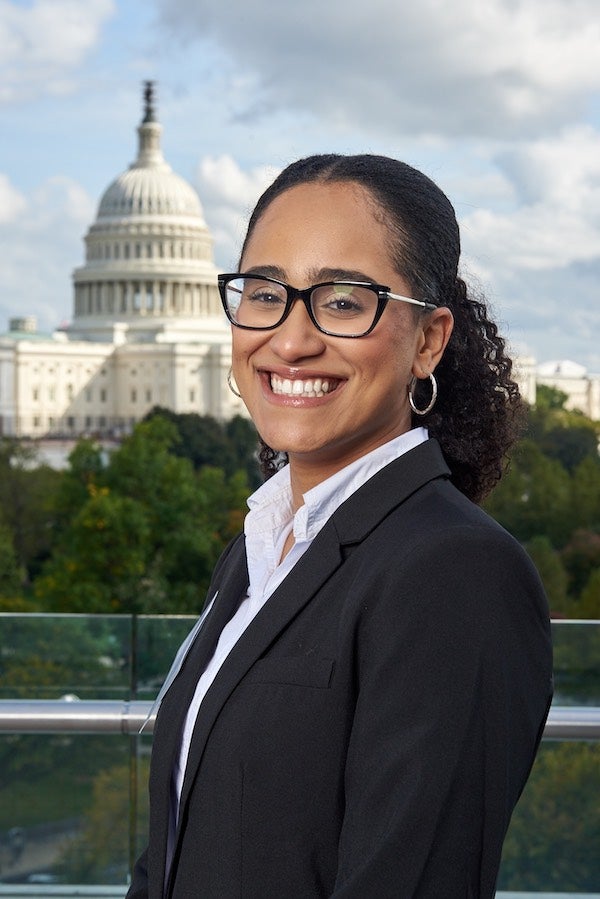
387 489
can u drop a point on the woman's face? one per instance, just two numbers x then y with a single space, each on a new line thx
320 232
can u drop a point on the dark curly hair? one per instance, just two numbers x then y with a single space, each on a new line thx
478 413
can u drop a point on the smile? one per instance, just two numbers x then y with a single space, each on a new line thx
312 387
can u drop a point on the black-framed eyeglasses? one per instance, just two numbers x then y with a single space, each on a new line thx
336 308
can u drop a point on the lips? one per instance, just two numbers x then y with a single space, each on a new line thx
309 387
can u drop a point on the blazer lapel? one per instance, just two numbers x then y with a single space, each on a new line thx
177 699
298 588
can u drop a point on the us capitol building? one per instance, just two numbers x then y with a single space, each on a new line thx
148 327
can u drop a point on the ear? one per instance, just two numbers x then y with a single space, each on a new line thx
434 337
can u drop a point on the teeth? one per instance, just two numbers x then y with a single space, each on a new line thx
312 387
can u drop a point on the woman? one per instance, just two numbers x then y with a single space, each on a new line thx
362 705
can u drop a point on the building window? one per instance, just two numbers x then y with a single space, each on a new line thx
102 421
71 422
134 395
36 421
52 394
35 394
88 394
103 395
69 391
192 395
88 421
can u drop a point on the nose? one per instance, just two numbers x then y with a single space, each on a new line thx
297 336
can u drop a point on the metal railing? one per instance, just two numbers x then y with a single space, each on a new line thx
107 716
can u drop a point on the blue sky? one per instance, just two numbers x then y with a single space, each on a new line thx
499 102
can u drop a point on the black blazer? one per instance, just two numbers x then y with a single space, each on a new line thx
371 731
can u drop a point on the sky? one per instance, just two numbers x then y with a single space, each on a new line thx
497 100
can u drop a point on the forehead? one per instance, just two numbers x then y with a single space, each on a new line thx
333 224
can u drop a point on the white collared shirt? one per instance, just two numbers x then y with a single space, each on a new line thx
266 528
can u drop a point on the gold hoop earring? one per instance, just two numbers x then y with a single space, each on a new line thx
230 384
411 396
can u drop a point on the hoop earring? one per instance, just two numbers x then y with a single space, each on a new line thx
411 396
233 389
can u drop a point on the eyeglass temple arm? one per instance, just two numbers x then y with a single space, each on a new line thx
396 296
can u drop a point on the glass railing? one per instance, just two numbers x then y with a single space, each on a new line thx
73 810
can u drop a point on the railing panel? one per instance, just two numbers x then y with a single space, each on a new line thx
73 773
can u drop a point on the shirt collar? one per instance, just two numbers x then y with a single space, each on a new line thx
271 505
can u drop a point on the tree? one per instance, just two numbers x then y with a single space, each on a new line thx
552 841
589 603
100 854
534 497
148 532
230 445
10 573
581 556
549 564
102 562
585 494
26 503
550 398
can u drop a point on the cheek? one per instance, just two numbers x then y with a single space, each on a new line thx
243 344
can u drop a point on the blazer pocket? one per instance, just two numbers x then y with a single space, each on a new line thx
300 672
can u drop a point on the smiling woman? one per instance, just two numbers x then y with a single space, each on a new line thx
360 708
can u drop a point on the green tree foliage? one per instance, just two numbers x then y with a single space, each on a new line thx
26 503
534 498
11 576
549 564
142 532
550 501
550 398
552 842
229 445
100 854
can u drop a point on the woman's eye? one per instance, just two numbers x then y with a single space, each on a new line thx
341 304
265 298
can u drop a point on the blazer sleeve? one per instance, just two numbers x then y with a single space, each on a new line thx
454 685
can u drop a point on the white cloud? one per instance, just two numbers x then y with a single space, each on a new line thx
42 42
556 221
12 202
228 195
42 244
498 68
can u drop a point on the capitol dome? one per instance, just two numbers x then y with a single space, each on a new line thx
149 254
149 186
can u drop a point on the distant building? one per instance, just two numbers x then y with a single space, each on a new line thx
525 376
148 328
582 389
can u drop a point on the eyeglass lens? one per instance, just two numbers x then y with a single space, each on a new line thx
340 308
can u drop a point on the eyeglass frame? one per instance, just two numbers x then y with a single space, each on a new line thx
384 294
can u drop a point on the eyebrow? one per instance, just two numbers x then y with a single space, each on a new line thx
316 276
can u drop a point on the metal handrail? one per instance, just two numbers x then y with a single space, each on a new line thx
108 716
77 716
